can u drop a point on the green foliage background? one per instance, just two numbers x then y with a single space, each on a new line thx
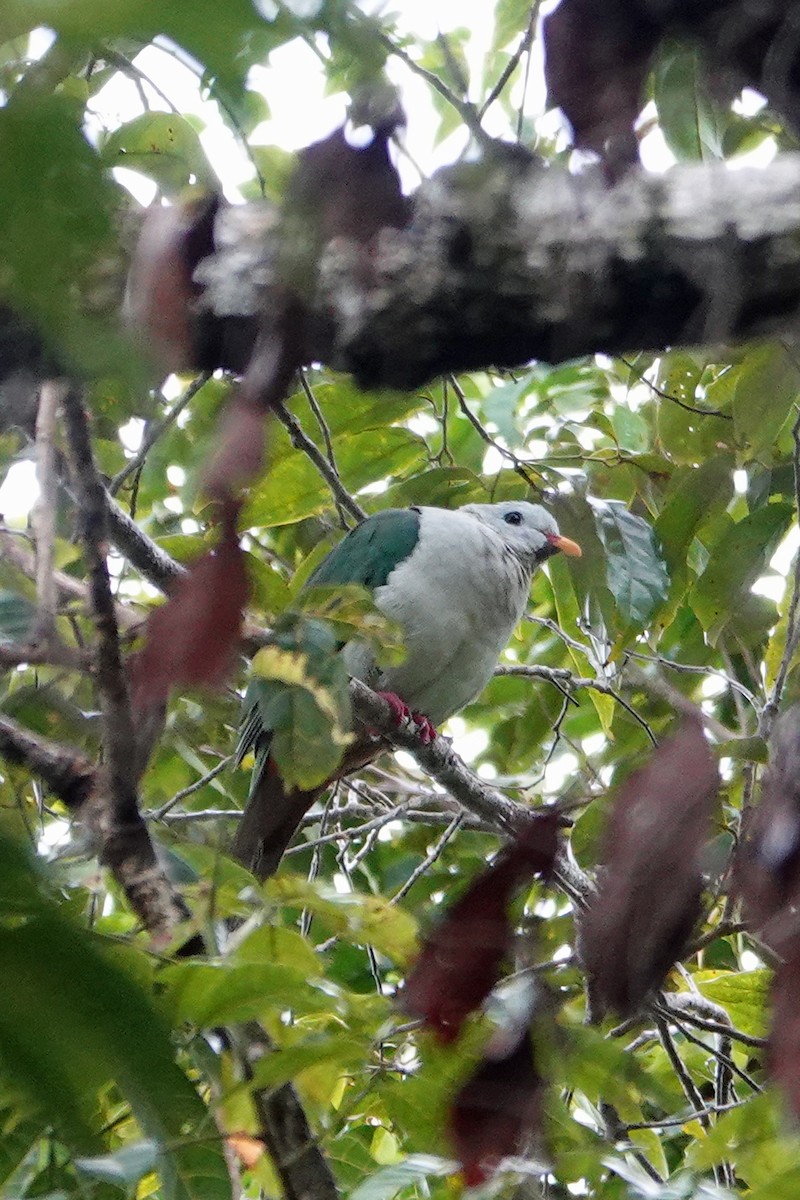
109 1070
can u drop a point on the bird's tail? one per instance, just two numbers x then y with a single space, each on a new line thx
274 812
270 821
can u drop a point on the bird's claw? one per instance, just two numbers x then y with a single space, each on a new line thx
399 709
401 712
425 728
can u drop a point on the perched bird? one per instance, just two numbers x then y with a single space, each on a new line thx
457 582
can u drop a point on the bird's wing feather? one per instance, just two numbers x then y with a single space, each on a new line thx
367 555
370 552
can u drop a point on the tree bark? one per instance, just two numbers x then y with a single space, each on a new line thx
506 261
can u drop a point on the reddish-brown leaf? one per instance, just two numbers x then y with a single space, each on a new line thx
596 59
461 958
649 887
783 1057
767 869
497 1110
161 292
193 638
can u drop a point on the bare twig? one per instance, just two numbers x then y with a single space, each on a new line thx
118 732
111 808
521 467
153 563
525 43
692 408
326 434
301 441
125 847
156 431
439 760
430 858
13 551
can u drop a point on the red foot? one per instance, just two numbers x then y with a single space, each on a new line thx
425 727
401 712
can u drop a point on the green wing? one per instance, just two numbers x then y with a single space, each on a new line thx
367 555
370 552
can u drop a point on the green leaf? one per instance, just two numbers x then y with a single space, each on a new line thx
767 389
293 489
126 1166
351 611
743 994
300 685
635 570
389 1181
365 920
689 118
164 146
100 1026
735 563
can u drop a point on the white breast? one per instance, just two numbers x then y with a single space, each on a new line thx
458 598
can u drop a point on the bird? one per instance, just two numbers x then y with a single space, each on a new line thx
457 582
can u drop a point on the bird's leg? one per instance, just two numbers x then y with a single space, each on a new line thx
425 727
401 712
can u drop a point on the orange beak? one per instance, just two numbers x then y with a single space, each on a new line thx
565 545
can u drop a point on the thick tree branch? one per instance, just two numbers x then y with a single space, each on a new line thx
111 807
125 846
505 261
284 1129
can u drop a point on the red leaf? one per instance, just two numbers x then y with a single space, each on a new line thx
193 638
460 961
161 291
649 893
497 1110
239 454
767 869
784 1043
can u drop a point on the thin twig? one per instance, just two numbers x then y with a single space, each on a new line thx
518 464
158 814
562 678
326 434
118 732
465 109
301 441
525 43
430 858
703 412
156 431
13 551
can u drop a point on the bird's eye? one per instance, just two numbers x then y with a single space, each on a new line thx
513 518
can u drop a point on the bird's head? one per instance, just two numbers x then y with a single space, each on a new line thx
527 529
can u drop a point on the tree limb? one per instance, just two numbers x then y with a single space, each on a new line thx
505 261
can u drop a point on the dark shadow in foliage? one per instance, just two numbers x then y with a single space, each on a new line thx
767 869
650 882
499 1108
461 959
